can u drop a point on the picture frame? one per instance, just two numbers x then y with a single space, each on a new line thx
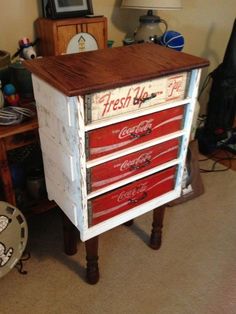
56 9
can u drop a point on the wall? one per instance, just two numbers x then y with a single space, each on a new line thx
206 25
16 19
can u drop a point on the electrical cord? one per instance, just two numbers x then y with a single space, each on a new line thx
229 157
19 265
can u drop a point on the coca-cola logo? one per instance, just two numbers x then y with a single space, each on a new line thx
140 160
131 194
142 127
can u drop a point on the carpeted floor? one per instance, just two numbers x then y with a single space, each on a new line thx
194 272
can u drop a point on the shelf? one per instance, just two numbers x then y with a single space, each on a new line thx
38 208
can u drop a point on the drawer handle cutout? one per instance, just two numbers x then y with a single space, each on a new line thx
147 132
142 100
134 201
145 164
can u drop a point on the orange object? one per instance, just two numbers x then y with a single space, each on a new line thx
12 99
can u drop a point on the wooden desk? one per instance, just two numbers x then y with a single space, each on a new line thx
12 137
20 135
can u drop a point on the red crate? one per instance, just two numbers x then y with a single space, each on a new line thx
132 164
123 199
125 134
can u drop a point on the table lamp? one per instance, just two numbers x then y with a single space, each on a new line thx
149 28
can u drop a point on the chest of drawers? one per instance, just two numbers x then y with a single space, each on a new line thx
114 126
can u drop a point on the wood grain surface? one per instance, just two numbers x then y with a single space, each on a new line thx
87 72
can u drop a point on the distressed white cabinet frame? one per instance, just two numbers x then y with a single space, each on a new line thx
71 115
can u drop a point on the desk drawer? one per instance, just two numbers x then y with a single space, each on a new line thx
125 134
131 98
124 167
125 198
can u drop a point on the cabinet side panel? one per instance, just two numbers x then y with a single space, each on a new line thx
64 202
192 93
53 101
58 123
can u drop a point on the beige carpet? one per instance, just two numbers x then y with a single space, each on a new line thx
194 272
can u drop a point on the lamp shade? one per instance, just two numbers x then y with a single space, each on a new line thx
152 4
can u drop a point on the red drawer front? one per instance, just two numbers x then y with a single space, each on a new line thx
135 131
125 198
129 165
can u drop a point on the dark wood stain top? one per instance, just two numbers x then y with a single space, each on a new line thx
88 72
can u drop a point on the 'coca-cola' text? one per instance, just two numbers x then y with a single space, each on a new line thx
141 128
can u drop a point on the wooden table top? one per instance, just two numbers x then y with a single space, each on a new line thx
87 72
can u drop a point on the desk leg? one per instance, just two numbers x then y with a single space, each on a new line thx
91 246
6 176
70 234
156 234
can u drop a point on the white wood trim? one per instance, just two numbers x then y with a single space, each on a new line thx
193 90
81 157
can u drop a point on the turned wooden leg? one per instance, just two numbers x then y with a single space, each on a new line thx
91 246
129 223
70 234
156 234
